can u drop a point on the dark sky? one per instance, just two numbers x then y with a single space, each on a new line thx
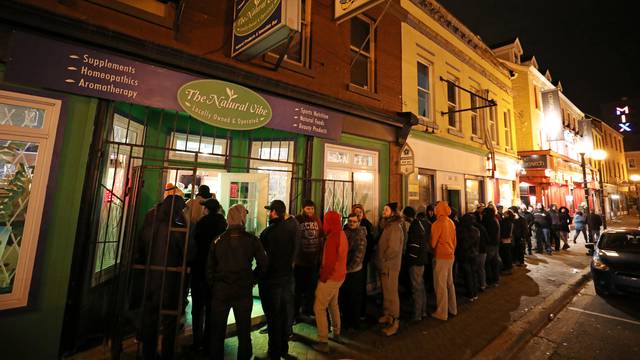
592 47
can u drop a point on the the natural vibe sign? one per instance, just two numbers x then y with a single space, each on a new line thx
224 104
253 14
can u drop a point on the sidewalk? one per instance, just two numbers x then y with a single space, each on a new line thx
478 324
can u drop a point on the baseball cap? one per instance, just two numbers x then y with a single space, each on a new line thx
278 206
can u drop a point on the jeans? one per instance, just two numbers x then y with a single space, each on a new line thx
595 234
277 302
547 239
416 273
481 271
306 278
467 268
219 314
327 297
350 299
582 231
492 265
445 290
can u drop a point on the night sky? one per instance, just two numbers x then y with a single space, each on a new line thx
592 47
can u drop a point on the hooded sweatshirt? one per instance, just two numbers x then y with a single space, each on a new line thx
310 246
336 247
389 255
443 233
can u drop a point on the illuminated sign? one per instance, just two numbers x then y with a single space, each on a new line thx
623 113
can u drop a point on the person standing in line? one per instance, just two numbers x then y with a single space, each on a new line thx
231 278
480 270
554 216
520 233
492 264
443 241
193 211
416 258
565 221
389 261
332 274
543 222
279 240
526 214
506 241
307 260
580 222
206 231
358 209
351 296
468 248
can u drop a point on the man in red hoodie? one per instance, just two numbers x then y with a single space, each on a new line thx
332 274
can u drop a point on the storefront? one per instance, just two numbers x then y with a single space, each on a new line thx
113 132
506 178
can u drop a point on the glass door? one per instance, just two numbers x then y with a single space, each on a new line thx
250 190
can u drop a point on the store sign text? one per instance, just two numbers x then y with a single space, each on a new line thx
224 104
623 113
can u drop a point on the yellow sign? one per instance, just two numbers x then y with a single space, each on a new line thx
346 9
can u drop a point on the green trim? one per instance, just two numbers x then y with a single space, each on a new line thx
439 140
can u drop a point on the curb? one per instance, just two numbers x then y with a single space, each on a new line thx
518 334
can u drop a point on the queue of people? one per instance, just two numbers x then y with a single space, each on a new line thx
315 270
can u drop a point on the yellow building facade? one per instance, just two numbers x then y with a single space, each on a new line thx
465 157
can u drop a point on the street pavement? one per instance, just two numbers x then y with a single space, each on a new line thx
590 327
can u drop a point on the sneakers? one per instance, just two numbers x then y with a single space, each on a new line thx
392 329
385 319
322 347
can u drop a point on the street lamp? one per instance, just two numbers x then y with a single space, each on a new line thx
585 185
636 178
600 155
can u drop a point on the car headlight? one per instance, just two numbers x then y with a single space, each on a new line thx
598 264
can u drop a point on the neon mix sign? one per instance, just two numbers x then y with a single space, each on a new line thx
623 113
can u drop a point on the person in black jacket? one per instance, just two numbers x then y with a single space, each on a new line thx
276 286
594 221
160 247
469 247
492 262
480 271
210 226
506 241
416 258
565 221
520 233
543 223
231 278
526 214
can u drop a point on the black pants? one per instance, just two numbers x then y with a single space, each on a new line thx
492 265
219 314
200 311
555 239
506 252
350 299
150 332
306 281
466 266
518 250
277 302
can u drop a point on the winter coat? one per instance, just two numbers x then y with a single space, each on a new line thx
565 219
336 248
206 232
311 241
520 229
594 220
506 228
484 238
443 233
492 226
468 239
580 221
193 210
229 271
357 239
389 254
371 240
554 215
279 240
417 251
542 219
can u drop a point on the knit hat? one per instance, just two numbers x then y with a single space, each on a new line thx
171 189
237 215
308 202
204 191
393 206
409 212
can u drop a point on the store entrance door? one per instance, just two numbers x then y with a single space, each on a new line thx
453 198
250 190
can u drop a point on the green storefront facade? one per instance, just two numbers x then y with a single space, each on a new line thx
110 163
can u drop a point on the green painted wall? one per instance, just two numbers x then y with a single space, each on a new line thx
34 332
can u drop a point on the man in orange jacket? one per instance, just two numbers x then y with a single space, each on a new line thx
443 241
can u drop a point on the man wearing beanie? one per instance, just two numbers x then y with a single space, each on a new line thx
231 279
307 260
388 261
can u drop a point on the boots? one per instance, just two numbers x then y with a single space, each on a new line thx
393 327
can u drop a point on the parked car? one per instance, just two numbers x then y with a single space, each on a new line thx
615 265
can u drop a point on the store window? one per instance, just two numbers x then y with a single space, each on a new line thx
452 103
474 190
28 126
507 129
424 92
299 51
351 177
632 163
208 149
124 151
506 193
274 158
493 128
420 189
362 53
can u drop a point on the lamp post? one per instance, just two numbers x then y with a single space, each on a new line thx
585 185
600 155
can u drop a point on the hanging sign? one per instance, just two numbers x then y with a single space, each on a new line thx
552 115
224 104
407 160
260 25
346 9
623 114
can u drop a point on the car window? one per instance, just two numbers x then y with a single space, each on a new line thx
620 241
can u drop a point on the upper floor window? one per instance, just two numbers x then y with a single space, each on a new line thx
299 51
453 103
362 50
424 91
475 120
632 163
536 98
507 129
157 12
493 127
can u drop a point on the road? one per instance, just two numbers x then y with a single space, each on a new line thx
590 327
